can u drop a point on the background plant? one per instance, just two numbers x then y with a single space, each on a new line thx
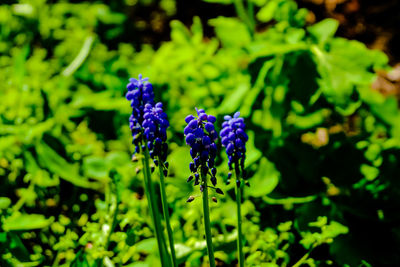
321 142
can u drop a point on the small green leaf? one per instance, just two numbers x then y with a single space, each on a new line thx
95 167
232 102
267 12
253 154
58 165
225 26
321 221
264 180
323 30
147 245
5 202
285 227
369 172
182 250
24 222
334 229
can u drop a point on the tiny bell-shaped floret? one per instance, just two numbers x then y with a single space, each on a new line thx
219 191
196 179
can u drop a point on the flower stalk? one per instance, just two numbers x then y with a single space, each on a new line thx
148 124
166 215
151 196
234 138
207 225
200 135
238 191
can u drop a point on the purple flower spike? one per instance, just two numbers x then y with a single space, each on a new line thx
148 122
200 136
155 130
140 93
234 139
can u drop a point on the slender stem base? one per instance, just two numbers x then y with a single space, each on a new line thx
151 196
166 214
207 225
239 223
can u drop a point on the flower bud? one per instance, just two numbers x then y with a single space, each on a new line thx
219 191
190 199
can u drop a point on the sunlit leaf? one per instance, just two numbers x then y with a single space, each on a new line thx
24 222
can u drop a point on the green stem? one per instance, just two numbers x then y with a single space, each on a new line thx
250 12
116 209
239 222
241 11
304 258
153 210
166 214
207 225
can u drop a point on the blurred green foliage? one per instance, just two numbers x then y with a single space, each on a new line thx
323 151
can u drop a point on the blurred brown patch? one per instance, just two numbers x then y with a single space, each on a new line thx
372 22
388 83
318 139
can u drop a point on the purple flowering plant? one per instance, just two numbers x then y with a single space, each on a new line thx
200 135
140 92
234 138
149 123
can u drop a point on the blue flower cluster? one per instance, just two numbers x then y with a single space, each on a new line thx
140 92
200 136
155 126
234 138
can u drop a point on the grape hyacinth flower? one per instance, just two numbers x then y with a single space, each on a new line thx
201 136
148 124
234 138
140 92
155 126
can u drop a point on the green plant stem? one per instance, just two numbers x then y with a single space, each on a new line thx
304 258
153 210
241 11
166 214
250 12
116 209
239 222
207 225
